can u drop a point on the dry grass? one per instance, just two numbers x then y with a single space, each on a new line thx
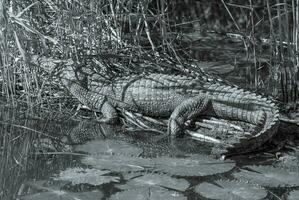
130 30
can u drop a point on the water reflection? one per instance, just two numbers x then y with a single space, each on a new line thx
15 146
21 133
40 161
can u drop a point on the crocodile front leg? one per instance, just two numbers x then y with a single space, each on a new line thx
188 109
109 114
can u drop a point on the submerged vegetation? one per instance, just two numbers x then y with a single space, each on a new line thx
252 43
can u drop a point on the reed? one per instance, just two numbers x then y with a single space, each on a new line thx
267 32
131 32
272 32
120 37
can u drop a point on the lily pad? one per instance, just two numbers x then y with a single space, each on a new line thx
62 195
195 165
269 176
90 176
294 195
290 162
52 191
109 147
118 163
152 193
156 180
230 190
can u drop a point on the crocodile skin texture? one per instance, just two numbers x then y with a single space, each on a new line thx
183 98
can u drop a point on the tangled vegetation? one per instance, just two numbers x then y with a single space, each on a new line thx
264 33
254 43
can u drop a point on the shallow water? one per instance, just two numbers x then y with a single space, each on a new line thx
118 164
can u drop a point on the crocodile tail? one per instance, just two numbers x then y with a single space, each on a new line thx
264 131
231 102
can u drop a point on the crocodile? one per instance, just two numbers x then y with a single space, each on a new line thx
179 97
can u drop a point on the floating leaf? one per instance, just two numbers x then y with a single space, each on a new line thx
63 195
293 195
118 163
152 193
156 180
195 165
131 175
90 176
52 191
230 190
290 162
269 176
109 147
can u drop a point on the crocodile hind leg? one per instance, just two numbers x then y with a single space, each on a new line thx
188 109
109 114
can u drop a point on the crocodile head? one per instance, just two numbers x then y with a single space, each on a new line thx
66 70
